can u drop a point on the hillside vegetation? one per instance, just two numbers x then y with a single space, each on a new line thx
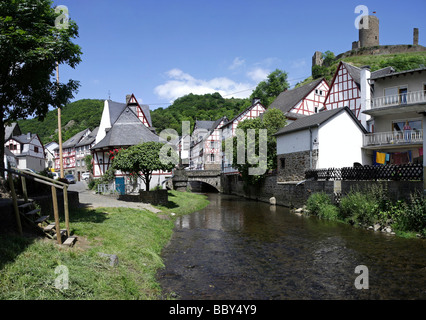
75 117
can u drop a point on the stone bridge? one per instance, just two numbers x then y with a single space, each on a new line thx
181 178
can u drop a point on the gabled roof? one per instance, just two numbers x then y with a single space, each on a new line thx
89 139
355 72
245 110
316 120
115 109
11 130
74 140
203 124
127 130
286 100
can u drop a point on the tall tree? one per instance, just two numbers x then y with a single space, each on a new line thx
33 40
270 88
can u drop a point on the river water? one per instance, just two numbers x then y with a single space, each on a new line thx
241 249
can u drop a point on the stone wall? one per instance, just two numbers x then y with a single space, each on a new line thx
155 197
294 194
292 166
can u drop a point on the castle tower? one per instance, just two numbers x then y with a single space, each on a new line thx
369 31
416 36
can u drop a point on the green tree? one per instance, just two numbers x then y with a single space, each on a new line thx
30 46
143 159
271 122
270 88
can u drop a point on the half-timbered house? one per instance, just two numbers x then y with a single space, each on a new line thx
349 88
229 130
302 101
122 126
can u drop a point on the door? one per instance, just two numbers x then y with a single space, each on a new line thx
119 185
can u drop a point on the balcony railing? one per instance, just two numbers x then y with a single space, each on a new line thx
393 138
399 99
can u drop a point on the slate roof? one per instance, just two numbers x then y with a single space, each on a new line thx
115 109
286 100
88 139
23 138
203 124
127 130
355 72
74 140
377 76
11 130
316 120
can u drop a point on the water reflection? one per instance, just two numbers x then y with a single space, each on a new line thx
238 249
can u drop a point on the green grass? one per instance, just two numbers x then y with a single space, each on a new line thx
27 265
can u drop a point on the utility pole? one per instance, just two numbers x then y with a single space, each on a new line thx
61 163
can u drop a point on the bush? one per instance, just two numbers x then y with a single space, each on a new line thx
357 207
315 201
328 212
413 218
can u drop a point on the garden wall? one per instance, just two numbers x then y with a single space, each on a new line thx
292 194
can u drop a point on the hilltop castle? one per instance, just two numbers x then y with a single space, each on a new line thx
368 43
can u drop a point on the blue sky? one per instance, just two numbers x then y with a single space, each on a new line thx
163 49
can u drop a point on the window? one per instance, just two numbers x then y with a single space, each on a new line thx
35 149
282 162
212 157
212 144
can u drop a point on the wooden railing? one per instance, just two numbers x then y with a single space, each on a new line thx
54 184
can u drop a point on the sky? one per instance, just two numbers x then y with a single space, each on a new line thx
160 50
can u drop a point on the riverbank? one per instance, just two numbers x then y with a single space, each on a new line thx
34 268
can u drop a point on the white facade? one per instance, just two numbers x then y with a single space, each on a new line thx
28 150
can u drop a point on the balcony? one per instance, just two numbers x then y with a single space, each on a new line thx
399 99
396 138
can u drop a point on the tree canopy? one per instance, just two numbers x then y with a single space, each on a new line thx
32 42
143 159
270 88
259 145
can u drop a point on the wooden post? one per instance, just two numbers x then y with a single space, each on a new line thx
67 218
56 214
24 188
15 202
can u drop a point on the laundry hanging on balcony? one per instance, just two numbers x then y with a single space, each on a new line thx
380 158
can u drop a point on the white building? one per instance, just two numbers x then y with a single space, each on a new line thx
28 150
328 139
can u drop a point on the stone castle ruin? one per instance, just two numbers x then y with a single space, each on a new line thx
369 44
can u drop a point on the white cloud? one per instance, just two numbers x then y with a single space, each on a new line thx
258 74
237 63
181 83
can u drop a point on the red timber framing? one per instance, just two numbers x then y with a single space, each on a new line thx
213 145
255 111
313 101
139 112
344 92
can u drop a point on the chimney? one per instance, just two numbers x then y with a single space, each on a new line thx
365 94
128 96
416 36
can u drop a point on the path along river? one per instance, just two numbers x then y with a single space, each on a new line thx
240 249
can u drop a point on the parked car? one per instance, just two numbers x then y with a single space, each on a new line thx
85 175
29 170
70 178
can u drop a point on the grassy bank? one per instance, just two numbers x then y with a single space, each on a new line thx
373 209
27 265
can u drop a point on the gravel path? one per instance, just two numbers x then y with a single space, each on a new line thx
88 198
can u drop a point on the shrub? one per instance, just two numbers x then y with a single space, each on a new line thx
413 218
328 211
357 207
315 201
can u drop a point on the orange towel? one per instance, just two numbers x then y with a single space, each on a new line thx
380 157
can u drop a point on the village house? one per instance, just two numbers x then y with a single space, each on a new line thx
206 146
350 88
27 149
328 139
69 153
397 109
123 125
82 150
49 150
229 130
302 101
